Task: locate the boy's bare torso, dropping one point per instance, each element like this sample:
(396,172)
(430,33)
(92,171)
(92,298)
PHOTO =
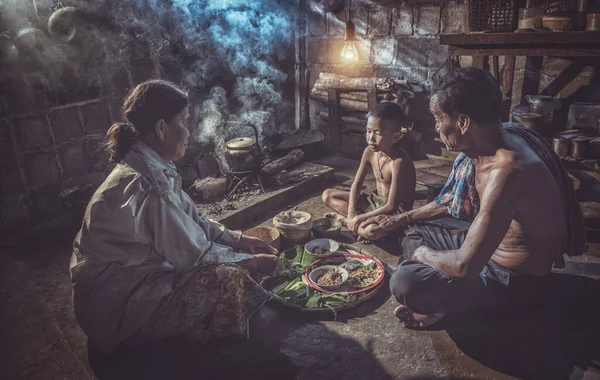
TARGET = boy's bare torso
(406,176)
(535,236)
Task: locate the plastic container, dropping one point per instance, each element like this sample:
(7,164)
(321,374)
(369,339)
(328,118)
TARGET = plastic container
(530,18)
(593,22)
(587,114)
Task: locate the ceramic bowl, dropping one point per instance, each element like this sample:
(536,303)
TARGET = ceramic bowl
(318,272)
(327,228)
(328,244)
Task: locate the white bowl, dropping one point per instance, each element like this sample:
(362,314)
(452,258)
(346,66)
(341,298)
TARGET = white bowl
(328,244)
(317,272)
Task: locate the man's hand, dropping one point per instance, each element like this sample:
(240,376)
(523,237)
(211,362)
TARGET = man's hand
(382,223)
(254,246)
(354,223)
(420,254)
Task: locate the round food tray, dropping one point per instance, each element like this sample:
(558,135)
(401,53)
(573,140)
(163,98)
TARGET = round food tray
(360,296)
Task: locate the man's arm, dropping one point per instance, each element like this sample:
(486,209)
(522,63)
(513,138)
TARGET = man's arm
(486,233)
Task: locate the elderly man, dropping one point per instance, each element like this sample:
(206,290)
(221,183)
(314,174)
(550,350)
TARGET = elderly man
(516,191)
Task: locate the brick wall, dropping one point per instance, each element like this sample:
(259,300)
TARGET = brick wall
(51,131)
(398,39)
(395,39)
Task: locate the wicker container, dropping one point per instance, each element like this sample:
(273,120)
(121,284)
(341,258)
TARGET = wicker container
(557,24)
(267,234)
(493,15)
(294,226)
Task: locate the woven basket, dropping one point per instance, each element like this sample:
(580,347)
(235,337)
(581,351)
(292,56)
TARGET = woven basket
(293,233)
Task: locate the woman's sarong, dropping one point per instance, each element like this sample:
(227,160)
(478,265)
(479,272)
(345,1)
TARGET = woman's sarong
(214,300)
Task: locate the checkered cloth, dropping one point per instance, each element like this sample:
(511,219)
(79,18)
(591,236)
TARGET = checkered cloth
(459,194)
(461,198)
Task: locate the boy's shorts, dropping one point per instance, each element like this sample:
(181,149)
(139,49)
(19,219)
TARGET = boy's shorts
(368,202)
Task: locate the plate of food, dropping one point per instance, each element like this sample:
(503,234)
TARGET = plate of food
(294,288)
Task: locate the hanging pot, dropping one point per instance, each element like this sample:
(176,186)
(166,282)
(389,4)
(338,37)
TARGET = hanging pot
(243,154)
(65,22)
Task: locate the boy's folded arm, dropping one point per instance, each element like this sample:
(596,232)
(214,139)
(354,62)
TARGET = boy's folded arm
(361,173)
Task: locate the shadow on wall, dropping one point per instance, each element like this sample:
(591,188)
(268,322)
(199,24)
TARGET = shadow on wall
(558,341)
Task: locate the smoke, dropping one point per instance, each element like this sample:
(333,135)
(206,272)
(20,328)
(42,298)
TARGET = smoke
(236,56)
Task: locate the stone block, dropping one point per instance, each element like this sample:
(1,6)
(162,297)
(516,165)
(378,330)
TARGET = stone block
(96,117)
(15,212)
(32,132)
(455,18)
(115,105)
(402,20)
(45,203)
(354,70)
(409,73)
(23,98)
(11,182)
(7,148)
(335,24)
(383,51)
(380,20)
(119,83)
(74,159)
(327,50)
(428,20)
(97,154)
(65,124)
(420,52)
(316,21)
(41,169)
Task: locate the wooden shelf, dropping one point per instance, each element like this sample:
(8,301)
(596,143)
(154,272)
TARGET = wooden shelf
(549,44)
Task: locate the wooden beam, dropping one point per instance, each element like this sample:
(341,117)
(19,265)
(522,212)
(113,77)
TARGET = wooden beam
(553,38)
(301,117)
(508,74)
(532,51)
(333,103)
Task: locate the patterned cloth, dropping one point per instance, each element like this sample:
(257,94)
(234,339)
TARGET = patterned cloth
(208,301)
(462,200)
(459,194)
(372,201)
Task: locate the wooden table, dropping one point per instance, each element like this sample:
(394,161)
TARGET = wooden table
(481,46)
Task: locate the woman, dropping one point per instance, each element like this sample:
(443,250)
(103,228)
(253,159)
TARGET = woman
(145,265)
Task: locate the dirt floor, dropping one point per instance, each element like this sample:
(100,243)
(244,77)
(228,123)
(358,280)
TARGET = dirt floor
(40,338)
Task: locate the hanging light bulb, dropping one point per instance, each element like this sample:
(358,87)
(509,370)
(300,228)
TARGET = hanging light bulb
(349,52)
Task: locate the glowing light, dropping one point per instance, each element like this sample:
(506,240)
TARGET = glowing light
(349,52)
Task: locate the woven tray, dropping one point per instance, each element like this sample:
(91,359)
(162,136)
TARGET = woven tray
(360,298)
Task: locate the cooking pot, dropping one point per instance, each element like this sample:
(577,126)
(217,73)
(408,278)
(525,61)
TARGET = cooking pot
(243,154)
(543,105)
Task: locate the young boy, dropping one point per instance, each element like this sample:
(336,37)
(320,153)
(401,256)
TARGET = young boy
(394,174)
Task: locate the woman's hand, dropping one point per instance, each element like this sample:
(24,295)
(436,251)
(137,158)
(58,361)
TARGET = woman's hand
(269,265)
(255,246)
(382,223)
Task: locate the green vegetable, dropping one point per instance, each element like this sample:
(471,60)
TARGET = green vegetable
(298,256)
(372,265)
(321,300)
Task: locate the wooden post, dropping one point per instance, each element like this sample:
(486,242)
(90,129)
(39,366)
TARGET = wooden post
(531,77)
(301,72)
(333,103)
(509,74)
(371,98)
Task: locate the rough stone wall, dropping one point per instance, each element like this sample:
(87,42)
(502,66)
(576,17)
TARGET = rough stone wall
(51,138)
(394,39)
